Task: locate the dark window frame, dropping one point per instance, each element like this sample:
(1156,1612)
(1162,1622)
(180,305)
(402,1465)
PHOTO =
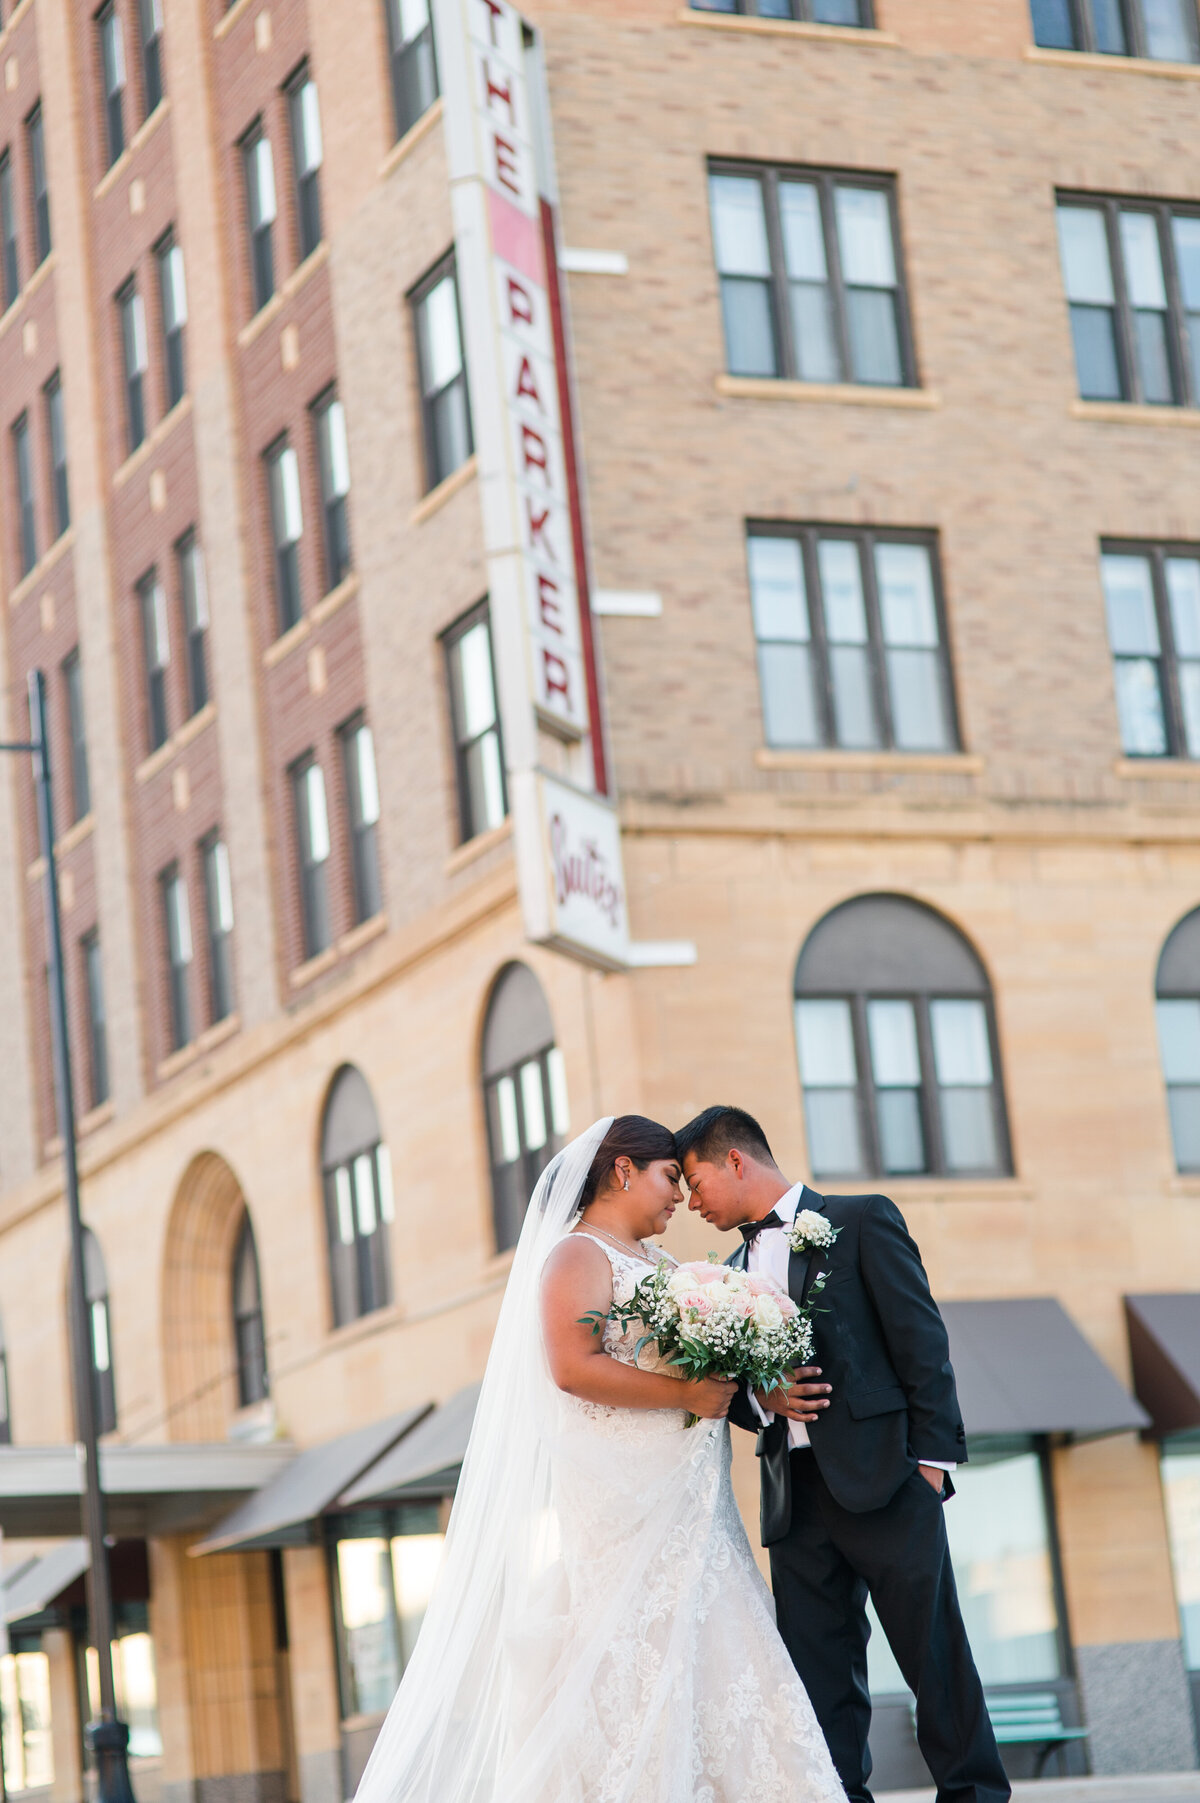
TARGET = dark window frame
(112,91)
(803,11)
(178,971)
(430,397)
(306,185)
(826,179)
(865,538)
(81,786)
(337,547)
(39,183)
(96,1291)
(1185,379)
(371,1271)
(56,447)
(97,1018)
(249,1332)
(152,607)
(21,435)
(173,328)
(285,554)
(316,912)
(260,238)
(194,616)
(1157,551)
(5,1395)
(131,308)
(10,239)
(217,934)
(150,37)
(1086,40)
(467,826)
(366,879)
(414,71)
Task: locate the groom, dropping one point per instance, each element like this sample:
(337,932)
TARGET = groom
(853,1470)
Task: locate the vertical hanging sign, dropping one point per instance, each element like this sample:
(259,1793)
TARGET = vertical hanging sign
(567,838)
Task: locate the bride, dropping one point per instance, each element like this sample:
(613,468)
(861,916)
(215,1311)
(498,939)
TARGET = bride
(599,1632)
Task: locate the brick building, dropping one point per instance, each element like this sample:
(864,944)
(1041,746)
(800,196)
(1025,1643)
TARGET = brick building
(769,426)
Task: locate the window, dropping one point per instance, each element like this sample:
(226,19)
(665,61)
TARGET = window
(817,12)
(172,291)
(95,1289)
(1132,278)
(97,1019)
(445,409)
(5,1409)
(81,788)
(809,276)
(1162,29)
(287,528)
(193,594)
(26,499)
(156,643)
(1152,600)
(414,66)
(1003,1553)
(137,362)
(362,795)
(56,441)
(248,1334)
(482,801)
(851,646)
(8,231)
(150,24)
(1177,992)
(218,922)
(357,1175)
(524,1095)
(333,457)
(178,925)
(1180,1469)
(259,167)
(312,850)
(27,1737)
(897,1046)
(307,156)
(135,1680)
(39,188)
(385,1565)
(112,71)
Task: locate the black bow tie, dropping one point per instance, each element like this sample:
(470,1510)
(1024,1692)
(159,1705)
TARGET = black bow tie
(750,1230)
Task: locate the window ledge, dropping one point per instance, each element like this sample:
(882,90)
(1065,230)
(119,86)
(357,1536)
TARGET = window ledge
(153,442)
(858,394)
(145,130)
(41,568)
(1169,769)
(1185,1183)
(295,635)
(403,147)
(195,1049)
(75,834)
(314,967)
(961,763)
(228,20)
(95,1118)
(955,1189)
(41,274)
(254,328)
(362,934)
(1125,65)
(191,729)
(449,486)
(377,1321)
(1135,413)
(337,597)
(478,847)
(788,28)
(15,17)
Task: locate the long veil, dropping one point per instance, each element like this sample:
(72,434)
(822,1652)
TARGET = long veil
(453,1732)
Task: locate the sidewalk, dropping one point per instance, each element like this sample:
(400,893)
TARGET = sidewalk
(1138,1787)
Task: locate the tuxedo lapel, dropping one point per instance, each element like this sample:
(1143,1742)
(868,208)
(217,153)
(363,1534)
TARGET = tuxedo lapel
(737,1259)
(814,1262)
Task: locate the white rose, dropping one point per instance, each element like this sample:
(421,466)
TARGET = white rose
(767,1313)
(736,1281)
(813,1226)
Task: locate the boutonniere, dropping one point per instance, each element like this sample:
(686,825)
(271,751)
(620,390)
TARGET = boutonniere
(811,1232)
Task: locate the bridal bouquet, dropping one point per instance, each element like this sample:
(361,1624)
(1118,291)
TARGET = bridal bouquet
(709,1320)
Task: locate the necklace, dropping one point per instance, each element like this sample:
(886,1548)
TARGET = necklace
(638,1251)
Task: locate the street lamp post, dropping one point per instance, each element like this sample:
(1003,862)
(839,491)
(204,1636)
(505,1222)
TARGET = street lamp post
(107,1736)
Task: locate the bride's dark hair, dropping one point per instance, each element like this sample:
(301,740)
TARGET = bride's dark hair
(631,1136)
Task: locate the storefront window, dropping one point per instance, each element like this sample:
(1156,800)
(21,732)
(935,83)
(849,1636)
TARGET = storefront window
(385,1565)
(25,1715)
(1181,1494)
(134,1678)
(1000,1542)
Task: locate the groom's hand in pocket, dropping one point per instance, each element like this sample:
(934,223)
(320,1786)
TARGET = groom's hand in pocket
(804,1399)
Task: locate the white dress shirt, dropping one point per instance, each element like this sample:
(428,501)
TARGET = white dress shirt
(769,1254)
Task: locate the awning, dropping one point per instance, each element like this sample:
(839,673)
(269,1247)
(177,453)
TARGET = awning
(285,1511)
(1164,1342)
(33,1586)
(425,1464)
(1023,1367)
(149,1489)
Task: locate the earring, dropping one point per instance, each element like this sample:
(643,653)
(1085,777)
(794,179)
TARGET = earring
(626,1183)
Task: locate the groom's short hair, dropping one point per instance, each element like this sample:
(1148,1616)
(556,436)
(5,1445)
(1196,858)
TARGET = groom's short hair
(717,1132)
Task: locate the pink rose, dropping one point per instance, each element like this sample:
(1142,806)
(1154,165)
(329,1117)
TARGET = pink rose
(787,1307)
(759,1284)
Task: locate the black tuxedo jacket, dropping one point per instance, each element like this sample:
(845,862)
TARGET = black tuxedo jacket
(881,1344)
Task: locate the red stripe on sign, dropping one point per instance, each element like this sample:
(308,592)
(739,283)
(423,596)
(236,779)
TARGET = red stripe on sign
(516,237)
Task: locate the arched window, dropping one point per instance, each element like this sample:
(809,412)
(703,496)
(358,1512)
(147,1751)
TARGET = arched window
(1177,990)
(525,1093)
(897,1046)
(248,1333)
(358,1198)
(95,1289)
(5,1411)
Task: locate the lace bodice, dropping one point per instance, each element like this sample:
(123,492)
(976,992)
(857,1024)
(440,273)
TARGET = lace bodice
(627,1273)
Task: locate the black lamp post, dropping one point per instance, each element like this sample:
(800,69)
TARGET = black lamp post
(108,1736)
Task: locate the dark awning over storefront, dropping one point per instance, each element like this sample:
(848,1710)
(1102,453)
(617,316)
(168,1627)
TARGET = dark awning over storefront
(284,1512)
(426,1463)
(1164,1342)
(1023,1367)
(150,1489)
(32,1587)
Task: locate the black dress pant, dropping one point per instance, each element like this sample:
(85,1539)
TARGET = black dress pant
(821,1574)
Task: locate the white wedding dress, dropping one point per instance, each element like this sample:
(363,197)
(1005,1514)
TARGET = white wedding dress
(600,1632)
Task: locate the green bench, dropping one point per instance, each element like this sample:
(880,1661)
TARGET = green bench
(1028,1718)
